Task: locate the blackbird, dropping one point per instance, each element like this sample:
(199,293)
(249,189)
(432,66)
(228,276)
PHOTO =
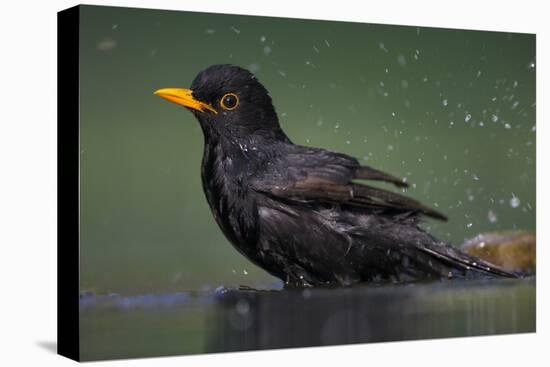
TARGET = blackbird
(298,212)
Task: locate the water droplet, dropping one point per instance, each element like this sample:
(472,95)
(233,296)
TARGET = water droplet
(469,225)
(492,217)
(267,50)
(467,118)
(327,43)
(531,65)
(210,31)
(445,102)
(401,60)
(514,105)
(253,67)
(382,47)
(106,44)
(515,202)
(262,39)
(245,272)
(494,118)
(237,31)
(507,126)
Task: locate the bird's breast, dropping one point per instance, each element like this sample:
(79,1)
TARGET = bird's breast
(225,185)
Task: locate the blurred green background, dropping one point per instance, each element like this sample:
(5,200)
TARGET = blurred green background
(451,110)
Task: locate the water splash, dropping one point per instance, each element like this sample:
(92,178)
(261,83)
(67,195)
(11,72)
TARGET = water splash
(492,216)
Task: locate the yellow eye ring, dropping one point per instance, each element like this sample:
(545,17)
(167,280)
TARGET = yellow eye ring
(229,101)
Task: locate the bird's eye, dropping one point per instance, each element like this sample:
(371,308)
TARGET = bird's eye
(229,101)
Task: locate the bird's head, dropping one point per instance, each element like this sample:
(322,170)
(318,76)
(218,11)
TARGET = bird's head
(229,102)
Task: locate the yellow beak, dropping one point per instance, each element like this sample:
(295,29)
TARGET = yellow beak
(184,97)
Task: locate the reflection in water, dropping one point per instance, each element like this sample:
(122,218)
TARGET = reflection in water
(259,320)
(114,326)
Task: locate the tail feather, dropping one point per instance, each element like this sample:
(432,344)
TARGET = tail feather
(414,254)
(459,260)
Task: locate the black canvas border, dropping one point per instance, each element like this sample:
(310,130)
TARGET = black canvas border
(68,216)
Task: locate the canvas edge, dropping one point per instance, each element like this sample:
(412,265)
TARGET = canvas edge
(68,216)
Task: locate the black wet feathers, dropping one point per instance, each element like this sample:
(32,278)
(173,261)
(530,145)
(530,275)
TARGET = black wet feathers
(307,215)
(320,175)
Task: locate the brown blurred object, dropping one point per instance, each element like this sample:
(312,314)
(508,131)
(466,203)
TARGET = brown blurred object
(513,250)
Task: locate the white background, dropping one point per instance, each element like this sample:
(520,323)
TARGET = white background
(28,182)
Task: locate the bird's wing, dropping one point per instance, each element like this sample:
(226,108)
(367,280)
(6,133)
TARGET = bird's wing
(369,173)
(321,176)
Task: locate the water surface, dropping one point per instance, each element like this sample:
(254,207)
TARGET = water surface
(115,326)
